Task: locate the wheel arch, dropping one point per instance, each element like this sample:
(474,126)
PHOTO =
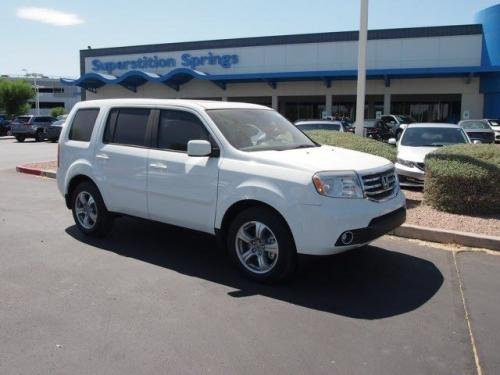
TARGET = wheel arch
(241,206)
(73,183)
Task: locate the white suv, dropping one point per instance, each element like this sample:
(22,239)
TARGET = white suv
(239,171)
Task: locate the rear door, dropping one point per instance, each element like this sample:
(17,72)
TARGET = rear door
(121,158)
(182,190)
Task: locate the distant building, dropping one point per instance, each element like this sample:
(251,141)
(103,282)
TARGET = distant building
(439,74)
(52,93)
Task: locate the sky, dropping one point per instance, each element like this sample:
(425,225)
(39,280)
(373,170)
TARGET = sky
(45,36)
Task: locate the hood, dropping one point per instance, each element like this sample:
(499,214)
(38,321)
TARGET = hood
(324,158)
(478,130)
(414,154)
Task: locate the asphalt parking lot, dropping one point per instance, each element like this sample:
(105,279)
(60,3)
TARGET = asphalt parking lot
(154,299)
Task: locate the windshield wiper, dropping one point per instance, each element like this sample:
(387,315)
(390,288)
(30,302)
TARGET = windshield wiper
(301,146)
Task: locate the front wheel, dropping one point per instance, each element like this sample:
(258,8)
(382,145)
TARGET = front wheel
(262,246)
(20,138)
(39,136)
(89,211)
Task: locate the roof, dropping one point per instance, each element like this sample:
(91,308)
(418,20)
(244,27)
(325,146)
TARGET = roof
(187,103)
(432,125)
(341,36)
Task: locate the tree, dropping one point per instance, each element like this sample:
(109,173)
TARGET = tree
(14,96)
(57,111)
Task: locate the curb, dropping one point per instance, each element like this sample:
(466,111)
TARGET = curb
(448,236)
(7,137)
(36,171)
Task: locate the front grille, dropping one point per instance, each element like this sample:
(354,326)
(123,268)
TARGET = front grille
(420,166)
(379,186)
(481,136)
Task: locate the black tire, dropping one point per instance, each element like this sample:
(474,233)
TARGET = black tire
(20,138)
(104,221)
(39,136)
(286,262)
(53,140)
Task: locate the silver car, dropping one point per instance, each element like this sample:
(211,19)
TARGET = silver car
(478,130)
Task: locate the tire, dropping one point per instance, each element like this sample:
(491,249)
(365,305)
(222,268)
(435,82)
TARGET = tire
(261,265)
(20,138)
(99,220)
(38,136)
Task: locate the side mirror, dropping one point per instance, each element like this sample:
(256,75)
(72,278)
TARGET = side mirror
(199,148)
(477,142)
(392,141)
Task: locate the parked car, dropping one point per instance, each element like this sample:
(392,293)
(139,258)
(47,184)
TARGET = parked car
(416,142)
(197,164)
(397,123)
(478,130)
(31,127)
(332,125)
(54,130)
(4,125)
(378,130)
(495,125)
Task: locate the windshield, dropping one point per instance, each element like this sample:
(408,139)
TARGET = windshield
(22,119)
(432,137)
(474,125)
(258,130)
(406,119)
(318,126)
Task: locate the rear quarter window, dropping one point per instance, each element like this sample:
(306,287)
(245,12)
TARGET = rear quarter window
(83,124)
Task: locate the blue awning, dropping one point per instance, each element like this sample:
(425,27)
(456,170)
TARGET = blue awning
(180,76)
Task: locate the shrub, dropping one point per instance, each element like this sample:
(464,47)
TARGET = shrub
(464,179)
(354,142)
(57,111)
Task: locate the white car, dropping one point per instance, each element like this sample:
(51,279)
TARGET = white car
(310,125)
(495,125)
(239,171)
(416,142)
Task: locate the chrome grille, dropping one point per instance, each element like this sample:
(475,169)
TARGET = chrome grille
(379,186)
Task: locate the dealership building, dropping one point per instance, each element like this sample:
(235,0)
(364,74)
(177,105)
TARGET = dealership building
(443,73)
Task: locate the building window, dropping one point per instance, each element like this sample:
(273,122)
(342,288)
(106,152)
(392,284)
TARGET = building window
(428,108)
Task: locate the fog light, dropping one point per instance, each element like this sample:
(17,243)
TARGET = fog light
(346,238)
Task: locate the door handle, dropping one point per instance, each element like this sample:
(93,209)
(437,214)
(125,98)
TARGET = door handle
(158,165)
(102,156)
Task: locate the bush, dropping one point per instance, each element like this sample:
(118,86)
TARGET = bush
(14,96)
(354,142)
(57,111)
(464,179)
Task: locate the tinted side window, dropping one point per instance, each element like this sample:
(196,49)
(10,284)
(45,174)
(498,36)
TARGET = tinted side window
(177,128)
(131,126)
(83,124)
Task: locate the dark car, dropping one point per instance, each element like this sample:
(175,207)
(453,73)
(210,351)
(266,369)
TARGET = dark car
(397,123)
(377,129)
(31,127)
(54,130)
(310,125)
(4,125)
(478,130)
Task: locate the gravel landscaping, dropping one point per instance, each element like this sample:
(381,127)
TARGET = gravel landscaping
(421,214)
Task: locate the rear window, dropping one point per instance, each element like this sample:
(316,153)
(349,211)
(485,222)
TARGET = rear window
(83,124)
(127,126)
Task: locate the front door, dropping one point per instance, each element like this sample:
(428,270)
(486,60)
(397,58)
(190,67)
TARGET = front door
(182,190)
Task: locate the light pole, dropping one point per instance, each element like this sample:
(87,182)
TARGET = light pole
(363,37)
(37,99)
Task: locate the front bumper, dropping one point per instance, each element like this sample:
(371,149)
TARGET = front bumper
(317,229)
(411,177)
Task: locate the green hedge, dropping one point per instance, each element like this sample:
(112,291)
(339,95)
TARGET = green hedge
(354,142)
(464,179)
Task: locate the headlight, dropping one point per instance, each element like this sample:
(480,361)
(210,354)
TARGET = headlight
(343,184)
(406,163)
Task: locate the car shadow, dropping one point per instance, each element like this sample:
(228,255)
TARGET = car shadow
(368,283)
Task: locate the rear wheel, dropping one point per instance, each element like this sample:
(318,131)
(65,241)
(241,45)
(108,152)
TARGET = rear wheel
(89,211)
(39,136)
(261,245)
(20,138)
